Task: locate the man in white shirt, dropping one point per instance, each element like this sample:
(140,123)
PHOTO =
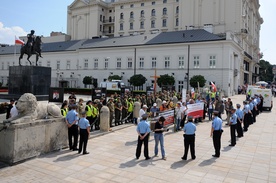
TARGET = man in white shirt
(14,111)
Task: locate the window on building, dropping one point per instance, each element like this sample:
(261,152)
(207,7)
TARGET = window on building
(110,11)
(131,14)
(121,26)
(181,62)
(48,63)
(177,1)
(177,9)
(176,22)
(141,62)
(153,12)
(212,61)
(106,63)
(8,65)
(142,13)
(2,65)
(153,24)
(164,1)
(142,24)
(131,25)
(96,63)
(119,63)
(101,27)
(180,86)
(68,64)
(58,65)
(132,5)
(164,23)
(85,64)
(142,4)
(129,63)
(153,3)
(153,62)
(196,61)
(101,18)
(122,6)
(121,16)
(164,11)
(167,62)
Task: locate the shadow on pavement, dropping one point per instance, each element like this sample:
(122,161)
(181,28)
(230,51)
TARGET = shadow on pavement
(131,143)
(226,148)
(67,157)
(180,164)
(207,162)
(130,163)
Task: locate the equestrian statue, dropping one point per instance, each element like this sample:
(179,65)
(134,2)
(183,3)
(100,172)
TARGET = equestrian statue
(33,46)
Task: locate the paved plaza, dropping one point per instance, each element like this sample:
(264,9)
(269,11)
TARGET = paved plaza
(112,158)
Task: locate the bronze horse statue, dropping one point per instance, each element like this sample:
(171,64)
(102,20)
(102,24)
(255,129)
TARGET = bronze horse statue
(36,49)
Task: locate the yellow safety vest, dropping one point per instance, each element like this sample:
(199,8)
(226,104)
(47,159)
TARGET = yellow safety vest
(89,112)
(130,106)
(213,94)
(95,112)
(63,112)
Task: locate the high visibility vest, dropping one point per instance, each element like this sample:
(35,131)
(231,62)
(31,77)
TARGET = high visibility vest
(213,94)
(94,111)
(130,106)
(89,112)
(63,112)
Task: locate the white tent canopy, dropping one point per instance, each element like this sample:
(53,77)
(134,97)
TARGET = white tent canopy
(261,83)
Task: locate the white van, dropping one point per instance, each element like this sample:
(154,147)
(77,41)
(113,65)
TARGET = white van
(267,95)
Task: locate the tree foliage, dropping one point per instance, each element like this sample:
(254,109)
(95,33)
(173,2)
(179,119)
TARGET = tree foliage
(114,77)
(197,78)
(137,80)
(165,80)
(265,71)
(87,80)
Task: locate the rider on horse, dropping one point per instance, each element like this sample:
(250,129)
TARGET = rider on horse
(30,42)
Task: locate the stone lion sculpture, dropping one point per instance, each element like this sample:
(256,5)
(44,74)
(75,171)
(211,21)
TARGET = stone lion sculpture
(28,107)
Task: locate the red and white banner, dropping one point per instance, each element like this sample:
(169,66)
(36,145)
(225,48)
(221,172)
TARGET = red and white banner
(18,41)
(168,115)
(214,87)
(195,110)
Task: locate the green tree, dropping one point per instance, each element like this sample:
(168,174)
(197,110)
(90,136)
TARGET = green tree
(114,77)
(87,80)
(197,79)
(265,72)
(165,80)
(137,80)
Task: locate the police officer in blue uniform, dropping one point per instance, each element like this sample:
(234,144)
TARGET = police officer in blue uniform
(246,116)
(143,130)
(239,114)
(189,138)
(84,127)
(72,124)
(233,126)
(216,132)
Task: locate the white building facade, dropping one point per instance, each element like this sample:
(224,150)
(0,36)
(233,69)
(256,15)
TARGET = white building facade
(90,18)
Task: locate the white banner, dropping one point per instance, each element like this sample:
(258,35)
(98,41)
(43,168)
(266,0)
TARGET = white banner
(183,95)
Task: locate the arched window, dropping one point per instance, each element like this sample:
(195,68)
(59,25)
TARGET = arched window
(142,13)
(121,16)
(164,11)
(177,9)
(131,14)
(153,12)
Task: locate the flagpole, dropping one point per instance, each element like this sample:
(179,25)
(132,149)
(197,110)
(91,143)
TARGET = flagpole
(14,48)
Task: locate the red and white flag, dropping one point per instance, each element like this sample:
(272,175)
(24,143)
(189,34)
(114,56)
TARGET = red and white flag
(214,87)
(18,41)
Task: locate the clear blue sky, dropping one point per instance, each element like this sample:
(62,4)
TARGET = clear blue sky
(17,17)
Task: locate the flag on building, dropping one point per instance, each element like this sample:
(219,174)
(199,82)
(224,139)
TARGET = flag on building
(214,87)
(18,41)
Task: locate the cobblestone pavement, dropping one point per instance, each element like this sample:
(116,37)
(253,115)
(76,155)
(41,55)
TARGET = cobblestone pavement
(112,158)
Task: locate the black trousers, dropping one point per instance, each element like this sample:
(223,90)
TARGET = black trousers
(83,140)
(233,134)
(73,133)
(239,129)
(145,141)
(189,141)
(254,114)
(217,142)
(246,121)
(182,122)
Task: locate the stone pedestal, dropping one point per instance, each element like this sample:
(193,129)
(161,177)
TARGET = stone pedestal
(22,141)
(104,124)
(29,79)
(136,109)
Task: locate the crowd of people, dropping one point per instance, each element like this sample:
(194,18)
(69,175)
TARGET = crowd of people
(121,111)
